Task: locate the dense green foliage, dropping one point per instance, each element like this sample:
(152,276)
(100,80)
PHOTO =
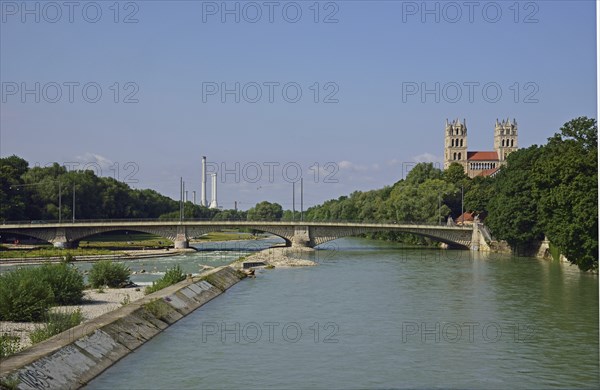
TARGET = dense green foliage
(513,210)
(172,276)
(108,273)
(26,294)
(427,195)
(265,211)
(552,190)
(8,345)
(33,194)
(56,323)
(549,190)
(66,282)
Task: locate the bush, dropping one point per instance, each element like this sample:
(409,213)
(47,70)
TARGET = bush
(9,345)
(107,273)
(172,276)
(159,308)
(66,283)
(56,323)
(24,295)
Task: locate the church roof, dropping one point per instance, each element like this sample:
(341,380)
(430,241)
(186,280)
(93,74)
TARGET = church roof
(482,156)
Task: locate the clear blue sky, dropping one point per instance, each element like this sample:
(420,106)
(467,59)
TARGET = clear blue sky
(371,57)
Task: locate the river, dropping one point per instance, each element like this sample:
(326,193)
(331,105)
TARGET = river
(374,315)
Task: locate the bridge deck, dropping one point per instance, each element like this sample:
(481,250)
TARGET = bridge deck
(157,223)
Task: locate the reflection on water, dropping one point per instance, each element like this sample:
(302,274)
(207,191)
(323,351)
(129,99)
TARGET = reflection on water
(389,317)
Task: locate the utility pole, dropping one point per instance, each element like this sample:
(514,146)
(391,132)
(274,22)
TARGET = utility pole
(462,204)
(180,198)
(301,199)
(184,195)
(73,203)
(439,209)
(293,200)
(59,202)
(194,196)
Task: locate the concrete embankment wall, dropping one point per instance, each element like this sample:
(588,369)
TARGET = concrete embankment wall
(71,359)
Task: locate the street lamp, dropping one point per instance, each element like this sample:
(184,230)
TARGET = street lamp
(462,204)
(301,199)
(439,209)
(59,202)
(73,203)
(293,201)
(181,198)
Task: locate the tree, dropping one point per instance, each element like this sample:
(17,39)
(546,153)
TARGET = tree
(230,215)
(422,172)
(13,197)
(265,211)
(33,193)
(410,202)
(479,193)
(513,208)
(455,174)
(566,181)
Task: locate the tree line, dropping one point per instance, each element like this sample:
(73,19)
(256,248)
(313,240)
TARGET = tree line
(549,190)
(543,191)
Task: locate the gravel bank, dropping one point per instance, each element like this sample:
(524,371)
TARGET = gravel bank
(281,257)
(95,304)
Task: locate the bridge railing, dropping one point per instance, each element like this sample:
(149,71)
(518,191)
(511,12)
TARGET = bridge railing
(225,221)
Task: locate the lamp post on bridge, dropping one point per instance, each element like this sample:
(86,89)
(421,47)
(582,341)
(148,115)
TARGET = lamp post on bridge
(301,199)
(59,202)
(439,209)
(181,198)
(462,204)
(293,201)
(73,203)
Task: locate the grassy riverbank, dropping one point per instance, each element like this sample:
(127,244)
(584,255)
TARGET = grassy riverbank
(48,251)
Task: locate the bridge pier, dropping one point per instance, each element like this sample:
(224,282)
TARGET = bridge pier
(60,240)
(302,237)
(66,244)
(181,239)
(181,244)
(478,242)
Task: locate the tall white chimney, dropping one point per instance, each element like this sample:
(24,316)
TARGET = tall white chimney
(203,192)
(213,201)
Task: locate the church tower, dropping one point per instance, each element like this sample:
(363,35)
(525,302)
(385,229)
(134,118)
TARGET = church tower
(505,138)
(455,147)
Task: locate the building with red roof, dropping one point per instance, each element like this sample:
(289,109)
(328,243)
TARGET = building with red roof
(467,218)
(479,163)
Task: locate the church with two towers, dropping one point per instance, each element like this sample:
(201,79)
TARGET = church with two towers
(479,163)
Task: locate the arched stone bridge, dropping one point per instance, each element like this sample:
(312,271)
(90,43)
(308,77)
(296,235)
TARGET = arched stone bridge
(295,233)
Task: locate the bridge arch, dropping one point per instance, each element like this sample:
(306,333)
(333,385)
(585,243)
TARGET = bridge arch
(321,235)
(293,233)
(43,235)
